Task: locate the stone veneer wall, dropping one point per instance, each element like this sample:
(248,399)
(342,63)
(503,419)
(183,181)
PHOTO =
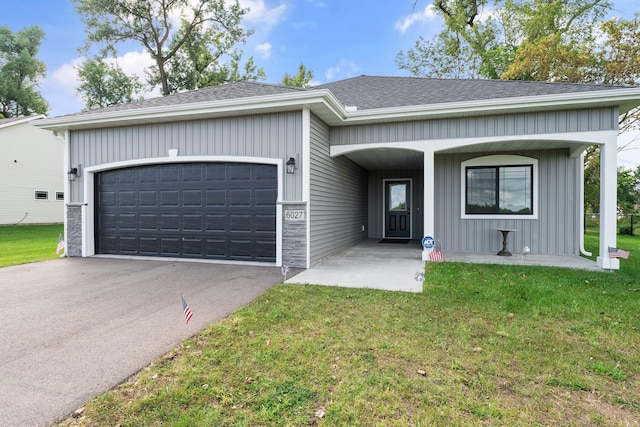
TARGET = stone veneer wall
(74,229)
(294,236)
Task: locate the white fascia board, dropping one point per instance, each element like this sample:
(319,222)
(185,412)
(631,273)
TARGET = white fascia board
(187,111)
(566,101)
(23,120)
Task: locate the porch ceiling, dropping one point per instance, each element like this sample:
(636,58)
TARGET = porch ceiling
(397,158)
(387,159)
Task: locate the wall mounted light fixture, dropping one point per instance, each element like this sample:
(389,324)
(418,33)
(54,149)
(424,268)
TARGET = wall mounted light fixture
(74,172)
(291,165)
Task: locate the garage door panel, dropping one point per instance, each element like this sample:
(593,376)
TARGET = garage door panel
(169,198)
(216,198)
(205,210)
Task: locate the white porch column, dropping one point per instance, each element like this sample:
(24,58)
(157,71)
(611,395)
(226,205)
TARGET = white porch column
(608,202)
(429,200)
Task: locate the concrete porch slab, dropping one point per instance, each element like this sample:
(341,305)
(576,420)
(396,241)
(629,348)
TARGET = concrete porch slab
(393,266)
(369,264)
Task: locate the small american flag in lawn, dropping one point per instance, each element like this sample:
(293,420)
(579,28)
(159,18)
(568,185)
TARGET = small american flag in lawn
(436,253)
(60,246)
(618,253)
(188,314)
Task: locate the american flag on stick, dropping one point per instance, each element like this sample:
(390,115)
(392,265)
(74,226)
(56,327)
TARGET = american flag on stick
(436,253)
(188,314)
(618,253)
(60,246)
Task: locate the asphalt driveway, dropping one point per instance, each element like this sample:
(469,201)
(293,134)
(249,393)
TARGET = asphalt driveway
(76,327)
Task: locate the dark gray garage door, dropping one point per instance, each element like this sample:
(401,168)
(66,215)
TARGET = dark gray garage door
(193,210)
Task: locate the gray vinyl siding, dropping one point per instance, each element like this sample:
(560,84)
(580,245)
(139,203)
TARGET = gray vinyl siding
(268,135)
(556,230)
(587,120)
(376,200)
(338,199)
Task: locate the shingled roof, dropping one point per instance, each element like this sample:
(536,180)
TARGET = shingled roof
(238,90)
(371,92)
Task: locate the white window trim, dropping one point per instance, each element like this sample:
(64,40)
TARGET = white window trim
(499,160)
(40,198)
(61,193)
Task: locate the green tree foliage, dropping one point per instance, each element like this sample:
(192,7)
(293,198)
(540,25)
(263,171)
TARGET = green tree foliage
(191,41)
(20,72)
(103,84)
(302,79)
(628,190)
(487,36)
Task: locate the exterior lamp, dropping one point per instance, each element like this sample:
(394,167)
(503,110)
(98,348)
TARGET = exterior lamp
(291,165)
(73,173)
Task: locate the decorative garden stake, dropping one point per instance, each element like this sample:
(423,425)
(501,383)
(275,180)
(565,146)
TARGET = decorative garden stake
(525,251)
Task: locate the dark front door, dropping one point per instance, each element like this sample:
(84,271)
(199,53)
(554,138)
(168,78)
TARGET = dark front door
(397,195)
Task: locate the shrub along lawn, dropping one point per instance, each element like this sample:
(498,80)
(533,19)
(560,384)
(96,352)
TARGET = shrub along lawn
(483,345)
(20,244)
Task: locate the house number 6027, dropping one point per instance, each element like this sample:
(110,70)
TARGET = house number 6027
(294,215)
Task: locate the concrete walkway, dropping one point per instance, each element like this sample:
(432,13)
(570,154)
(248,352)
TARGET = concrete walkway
(369,264)
(74,328)
(393,266)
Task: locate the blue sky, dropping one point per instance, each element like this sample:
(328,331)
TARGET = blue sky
(336,39)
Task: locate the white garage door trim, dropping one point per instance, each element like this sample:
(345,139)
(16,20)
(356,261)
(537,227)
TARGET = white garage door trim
(88,208)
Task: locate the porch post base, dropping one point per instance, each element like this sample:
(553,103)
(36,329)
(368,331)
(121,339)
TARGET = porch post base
(606,263)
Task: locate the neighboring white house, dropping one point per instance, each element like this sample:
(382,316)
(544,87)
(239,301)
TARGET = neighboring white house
(31,176)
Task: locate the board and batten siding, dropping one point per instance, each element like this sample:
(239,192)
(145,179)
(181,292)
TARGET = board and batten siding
(556,230)
(267,135)
(586,120)
(338,197)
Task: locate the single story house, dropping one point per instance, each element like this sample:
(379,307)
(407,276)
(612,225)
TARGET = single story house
(265,173)
(31,176)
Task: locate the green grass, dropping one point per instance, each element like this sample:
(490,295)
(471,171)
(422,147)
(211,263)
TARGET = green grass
(483,345)
(21,244)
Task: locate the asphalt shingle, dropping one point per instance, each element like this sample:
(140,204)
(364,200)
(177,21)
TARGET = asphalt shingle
(370,92)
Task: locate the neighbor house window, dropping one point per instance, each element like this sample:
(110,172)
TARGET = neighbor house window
(496,186)
(59,195)
(41,195)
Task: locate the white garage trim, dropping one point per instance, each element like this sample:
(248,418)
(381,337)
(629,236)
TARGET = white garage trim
(88,211)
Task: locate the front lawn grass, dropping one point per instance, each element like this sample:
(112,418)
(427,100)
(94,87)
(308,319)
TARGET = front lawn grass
(21,244)
(483,345)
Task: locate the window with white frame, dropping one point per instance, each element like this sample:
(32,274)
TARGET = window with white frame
(500,186)
(59,195)
(41,195)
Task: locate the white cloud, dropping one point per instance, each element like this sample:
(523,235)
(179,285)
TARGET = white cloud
(66,76)
(264,50)
(134,63)
(344,69)
(260,13)
(426,15)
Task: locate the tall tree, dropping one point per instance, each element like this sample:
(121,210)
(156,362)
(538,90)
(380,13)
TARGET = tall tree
(178,34)
(103,84)
(302,79)
(485,35)
(20,72)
